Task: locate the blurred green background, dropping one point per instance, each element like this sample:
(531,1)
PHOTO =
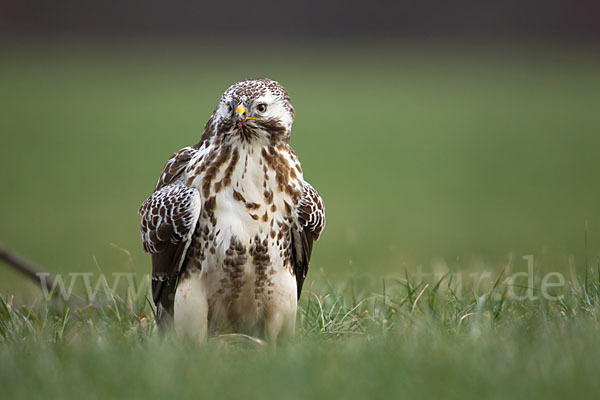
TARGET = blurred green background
(442,136)
(424,153)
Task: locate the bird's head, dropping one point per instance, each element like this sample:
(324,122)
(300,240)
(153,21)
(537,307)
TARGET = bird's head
(253,109)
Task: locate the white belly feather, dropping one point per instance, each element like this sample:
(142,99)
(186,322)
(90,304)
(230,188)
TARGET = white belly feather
(244,274)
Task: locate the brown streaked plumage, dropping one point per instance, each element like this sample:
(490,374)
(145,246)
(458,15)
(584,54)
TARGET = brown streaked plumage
(232,222)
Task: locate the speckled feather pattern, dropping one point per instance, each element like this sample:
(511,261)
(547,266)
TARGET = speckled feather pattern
(169,216)
(232,221)
(311,211)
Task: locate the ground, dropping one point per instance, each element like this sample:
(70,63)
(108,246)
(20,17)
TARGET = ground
(434,162)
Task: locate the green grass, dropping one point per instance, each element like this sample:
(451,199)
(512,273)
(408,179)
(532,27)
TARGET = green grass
(416,338)
(447,160)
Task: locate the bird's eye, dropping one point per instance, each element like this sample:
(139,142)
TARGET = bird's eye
(261,108)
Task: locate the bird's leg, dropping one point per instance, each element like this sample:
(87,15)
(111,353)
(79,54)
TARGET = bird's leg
(191,307)
(281,325)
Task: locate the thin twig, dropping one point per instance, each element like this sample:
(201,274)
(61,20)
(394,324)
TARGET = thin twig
(26,267)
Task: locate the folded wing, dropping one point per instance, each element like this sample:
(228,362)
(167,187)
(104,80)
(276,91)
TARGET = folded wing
(310,221)
(169,217)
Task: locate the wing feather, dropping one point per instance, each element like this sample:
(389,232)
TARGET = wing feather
(176,165)
(169,218)
(310,221)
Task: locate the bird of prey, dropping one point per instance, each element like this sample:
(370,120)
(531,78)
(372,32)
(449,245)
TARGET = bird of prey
(231,223)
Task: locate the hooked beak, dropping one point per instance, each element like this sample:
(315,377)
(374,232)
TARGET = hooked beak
(240,113)
(240,116)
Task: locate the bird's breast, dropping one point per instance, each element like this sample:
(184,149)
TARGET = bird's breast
(242,244)
(247,189)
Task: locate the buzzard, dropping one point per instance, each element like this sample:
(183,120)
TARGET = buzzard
(231,223)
